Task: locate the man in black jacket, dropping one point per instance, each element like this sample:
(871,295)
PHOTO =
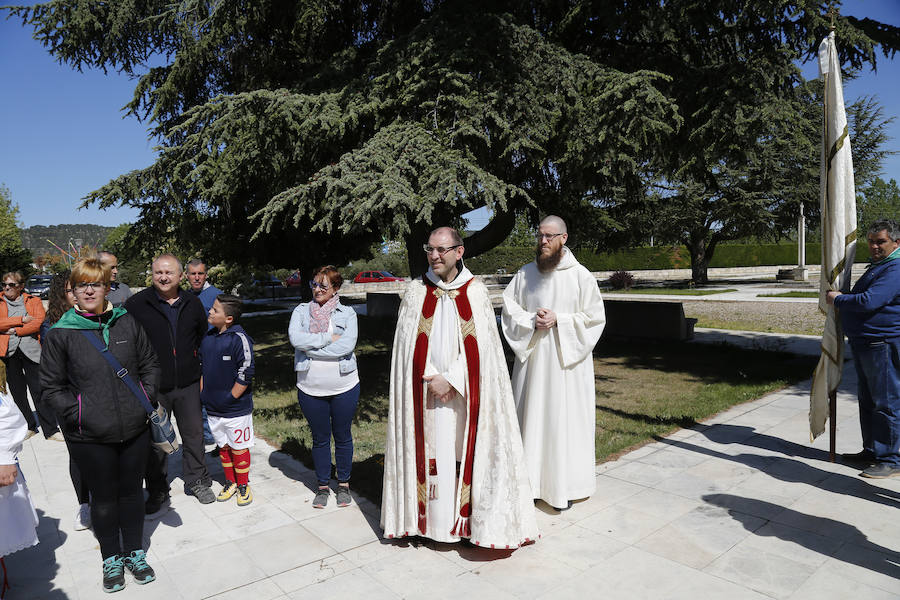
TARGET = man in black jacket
(175,322)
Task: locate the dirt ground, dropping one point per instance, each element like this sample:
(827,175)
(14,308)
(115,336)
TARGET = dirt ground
(781,317)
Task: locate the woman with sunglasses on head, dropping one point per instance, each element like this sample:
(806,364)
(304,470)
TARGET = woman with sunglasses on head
(323,333)
(105,426)
(21,316)
(60,298)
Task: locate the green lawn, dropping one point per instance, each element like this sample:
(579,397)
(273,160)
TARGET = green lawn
(795,294)
(643,390)
(662,291)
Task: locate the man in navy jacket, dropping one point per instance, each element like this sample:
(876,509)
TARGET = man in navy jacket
(870,316)
(175,322)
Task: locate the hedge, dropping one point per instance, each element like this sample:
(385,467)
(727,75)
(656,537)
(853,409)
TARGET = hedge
(658,257)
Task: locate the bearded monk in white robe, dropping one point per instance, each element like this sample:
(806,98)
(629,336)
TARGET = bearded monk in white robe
(552,318)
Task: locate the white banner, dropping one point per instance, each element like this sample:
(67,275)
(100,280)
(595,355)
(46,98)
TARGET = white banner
(837,196)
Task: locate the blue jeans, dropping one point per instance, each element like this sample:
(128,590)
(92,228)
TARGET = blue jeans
(877,364)
(207,433)
(331,416)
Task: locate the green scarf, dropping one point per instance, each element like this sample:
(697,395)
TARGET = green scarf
(72,319)
(892,256)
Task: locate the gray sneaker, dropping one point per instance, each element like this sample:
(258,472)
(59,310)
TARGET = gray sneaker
(202,492)
(321,499)
(881,471)
(343,495)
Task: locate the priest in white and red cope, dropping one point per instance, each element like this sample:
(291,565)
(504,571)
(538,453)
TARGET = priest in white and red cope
(552,318)
(453,466)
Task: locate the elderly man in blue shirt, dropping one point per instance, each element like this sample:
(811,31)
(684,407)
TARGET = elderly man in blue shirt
(870,315)
(199,286)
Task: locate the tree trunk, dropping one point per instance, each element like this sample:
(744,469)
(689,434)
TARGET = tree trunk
(699,266)
(702,246)
(492,235)
(696,244)
(417,236)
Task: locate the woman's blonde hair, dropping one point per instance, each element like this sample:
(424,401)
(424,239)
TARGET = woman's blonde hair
(90,269)
(15,276)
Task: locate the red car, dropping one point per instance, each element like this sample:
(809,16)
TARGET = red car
(294,279)
(375,277)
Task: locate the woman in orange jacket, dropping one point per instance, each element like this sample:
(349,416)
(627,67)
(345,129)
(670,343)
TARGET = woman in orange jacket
(21,316)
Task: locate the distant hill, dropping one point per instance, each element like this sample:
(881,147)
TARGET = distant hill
(35,238)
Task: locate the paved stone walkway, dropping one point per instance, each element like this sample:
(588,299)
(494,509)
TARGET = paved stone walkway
(742,506)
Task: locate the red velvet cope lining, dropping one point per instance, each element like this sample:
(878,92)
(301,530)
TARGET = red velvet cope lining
(473,366)
(420,353)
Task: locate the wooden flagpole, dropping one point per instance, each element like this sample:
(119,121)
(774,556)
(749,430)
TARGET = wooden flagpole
(832,424)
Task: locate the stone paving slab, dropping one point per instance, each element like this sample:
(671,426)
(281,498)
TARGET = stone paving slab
(741,506)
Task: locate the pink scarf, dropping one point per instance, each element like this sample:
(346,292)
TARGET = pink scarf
(319,316)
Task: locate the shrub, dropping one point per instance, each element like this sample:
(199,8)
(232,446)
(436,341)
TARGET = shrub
(621,280)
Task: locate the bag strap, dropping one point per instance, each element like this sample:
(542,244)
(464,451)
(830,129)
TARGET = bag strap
(121,372)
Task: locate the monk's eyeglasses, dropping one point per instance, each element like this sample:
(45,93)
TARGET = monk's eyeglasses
(440,249)
(548,236)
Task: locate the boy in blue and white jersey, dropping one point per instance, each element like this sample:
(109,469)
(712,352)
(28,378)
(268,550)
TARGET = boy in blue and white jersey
(226,354)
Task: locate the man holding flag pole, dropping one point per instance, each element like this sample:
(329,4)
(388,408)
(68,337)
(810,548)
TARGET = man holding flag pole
(870,316)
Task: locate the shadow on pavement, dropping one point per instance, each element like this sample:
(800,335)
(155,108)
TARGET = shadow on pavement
(787,469)
(741,509)
(31,571)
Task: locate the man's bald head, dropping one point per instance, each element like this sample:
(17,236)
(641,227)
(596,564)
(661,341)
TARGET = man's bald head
(554,221)
(167,257)
(551,237)
(448,231)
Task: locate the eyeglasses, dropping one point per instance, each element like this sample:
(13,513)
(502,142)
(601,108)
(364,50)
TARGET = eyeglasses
(93,285)
(69,291)
(322,286)
(548,236)
(440,249)
(10,285)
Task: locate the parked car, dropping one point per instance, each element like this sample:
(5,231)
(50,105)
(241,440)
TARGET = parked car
(375,277)
(266,282)
(38,285)
(295,279)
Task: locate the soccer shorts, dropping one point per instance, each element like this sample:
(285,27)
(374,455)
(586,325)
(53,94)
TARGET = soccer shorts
(236,432)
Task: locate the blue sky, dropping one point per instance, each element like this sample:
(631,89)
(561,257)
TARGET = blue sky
(64,135)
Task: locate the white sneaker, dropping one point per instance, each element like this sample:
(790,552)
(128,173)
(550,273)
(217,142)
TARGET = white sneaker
(83,517)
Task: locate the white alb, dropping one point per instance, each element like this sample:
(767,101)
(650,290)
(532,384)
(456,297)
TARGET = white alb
(553,375)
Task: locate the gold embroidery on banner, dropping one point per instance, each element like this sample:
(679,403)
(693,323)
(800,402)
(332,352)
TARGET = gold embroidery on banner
(838,144)
(836,271)
(851,237)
